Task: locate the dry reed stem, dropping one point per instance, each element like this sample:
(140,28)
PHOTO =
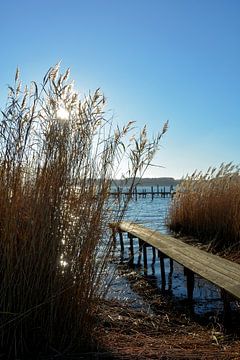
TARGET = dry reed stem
(58,156)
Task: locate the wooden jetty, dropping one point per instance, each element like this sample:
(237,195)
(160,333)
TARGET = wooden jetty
(219,271)
(135,192)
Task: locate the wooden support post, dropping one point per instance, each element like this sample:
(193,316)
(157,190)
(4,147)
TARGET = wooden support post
(170,274)
(153,271)
(121,242)
(152,192)
(114,239)
(140,246)
(227,313)
(161,254)
(158,190)
(136,193)
(145,255)
(162,267)
(154,254)
(131,260)
(190,283)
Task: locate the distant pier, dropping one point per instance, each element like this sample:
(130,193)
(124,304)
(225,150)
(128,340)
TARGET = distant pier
(141,192)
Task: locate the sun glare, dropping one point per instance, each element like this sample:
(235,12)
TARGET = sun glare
(62,113)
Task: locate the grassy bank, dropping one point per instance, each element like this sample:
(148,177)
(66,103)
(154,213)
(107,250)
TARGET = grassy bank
(58,155)
(207,207)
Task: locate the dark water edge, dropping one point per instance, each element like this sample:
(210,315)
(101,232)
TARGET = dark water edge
(207,301)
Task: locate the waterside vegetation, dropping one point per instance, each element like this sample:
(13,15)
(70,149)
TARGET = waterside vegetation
(207,207)
(58,156)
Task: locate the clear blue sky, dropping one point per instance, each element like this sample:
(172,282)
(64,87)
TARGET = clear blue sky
(153,59)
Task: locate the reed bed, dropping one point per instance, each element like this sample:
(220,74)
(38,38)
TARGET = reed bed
(207,207)
(58,156)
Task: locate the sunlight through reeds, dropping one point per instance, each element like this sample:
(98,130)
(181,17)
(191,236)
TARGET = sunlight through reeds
(58,156)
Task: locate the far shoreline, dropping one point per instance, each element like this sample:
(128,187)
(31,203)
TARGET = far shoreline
(161,181)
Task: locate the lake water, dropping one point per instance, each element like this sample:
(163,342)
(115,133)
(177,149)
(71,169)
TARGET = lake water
(152,214)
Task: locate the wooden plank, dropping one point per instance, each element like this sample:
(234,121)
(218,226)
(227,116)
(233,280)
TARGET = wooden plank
(219,271)
(173,244)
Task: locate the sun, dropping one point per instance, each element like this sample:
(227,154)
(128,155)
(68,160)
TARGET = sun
(62,113)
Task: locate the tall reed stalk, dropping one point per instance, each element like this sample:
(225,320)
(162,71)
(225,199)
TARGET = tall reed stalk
(207,206)
(58,156)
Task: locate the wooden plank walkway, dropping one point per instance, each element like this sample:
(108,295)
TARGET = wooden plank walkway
(221,272)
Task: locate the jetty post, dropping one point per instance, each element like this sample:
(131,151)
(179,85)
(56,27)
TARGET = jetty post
(227,313)
(190,282)
(162,268)
(140,249)
(131,260)
(145,255)
(153,254)
(136,193)
(170,274)
(121,242)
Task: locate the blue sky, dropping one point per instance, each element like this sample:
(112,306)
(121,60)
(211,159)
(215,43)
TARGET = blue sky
(153,59)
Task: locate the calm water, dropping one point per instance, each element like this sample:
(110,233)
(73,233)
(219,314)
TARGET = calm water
(152,214)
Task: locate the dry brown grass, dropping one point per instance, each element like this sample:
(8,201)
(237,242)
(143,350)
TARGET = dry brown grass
(135,335)
(58,155)
(207,206)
